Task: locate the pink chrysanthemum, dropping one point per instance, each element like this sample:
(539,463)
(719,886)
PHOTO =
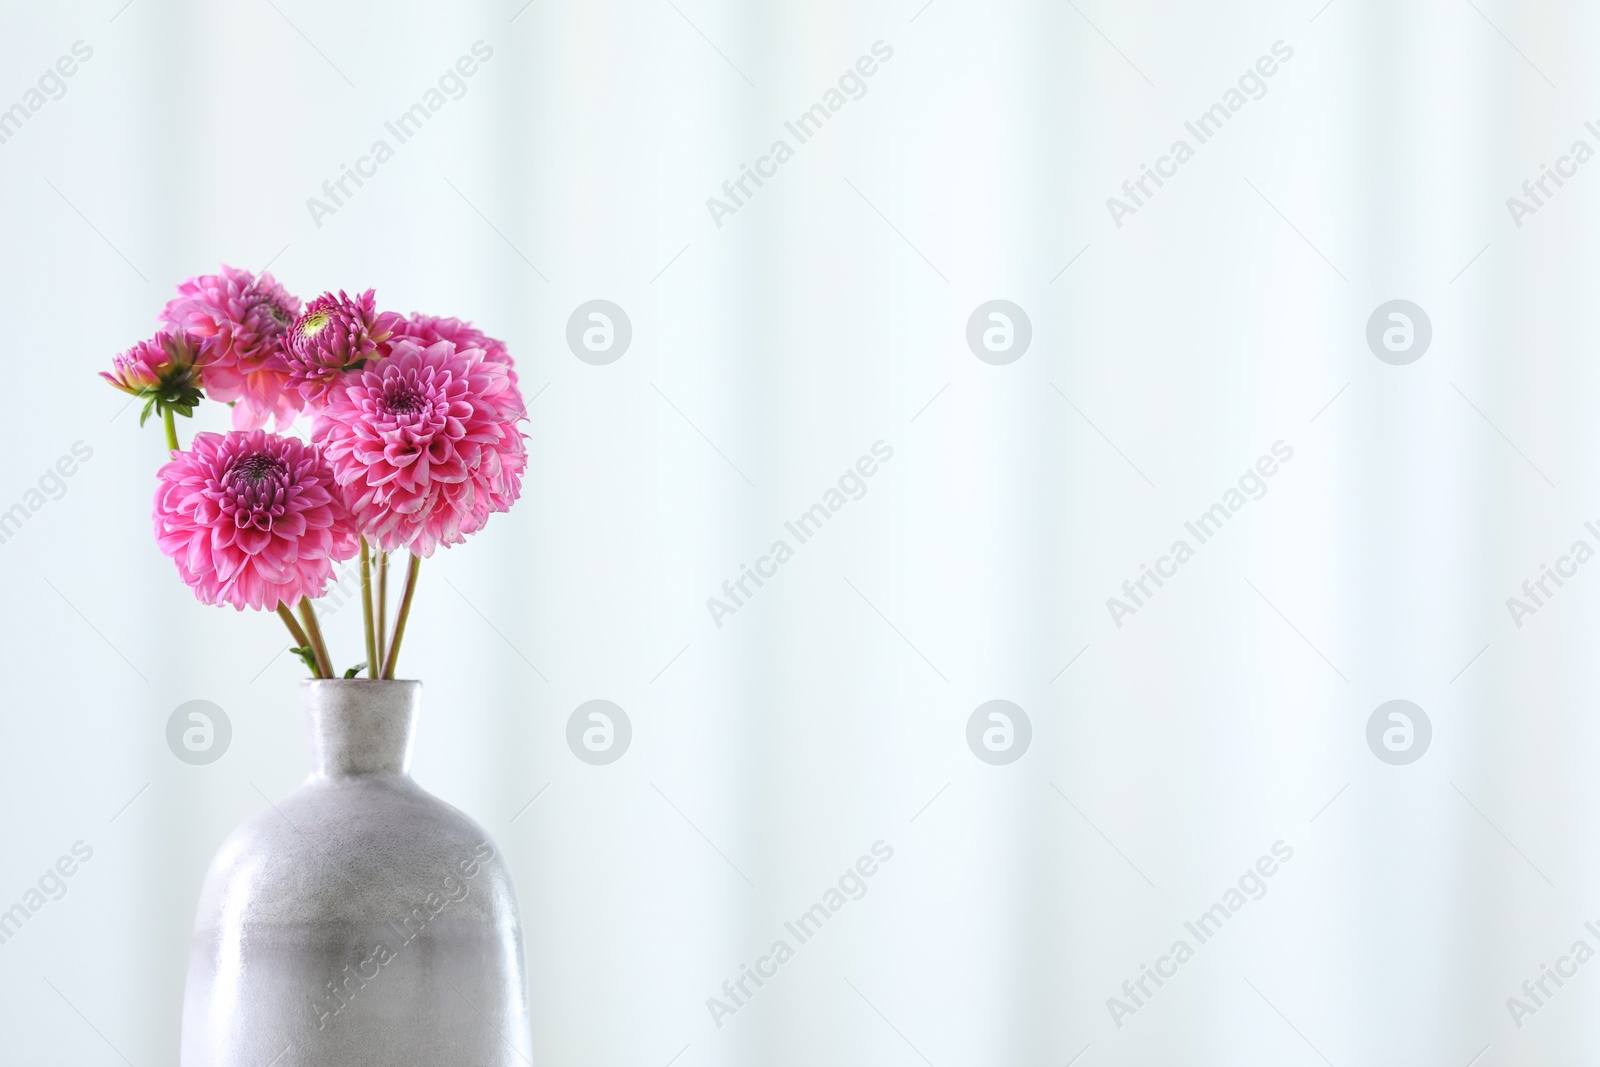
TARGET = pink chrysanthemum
(242,320)
(332,335)
(426,330)
(252,519)
(424,444)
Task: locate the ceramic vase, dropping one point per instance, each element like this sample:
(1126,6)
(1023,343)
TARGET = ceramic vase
(360,920)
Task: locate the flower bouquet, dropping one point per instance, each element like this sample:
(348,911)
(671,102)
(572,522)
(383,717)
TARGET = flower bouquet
(360,920)
(413,445)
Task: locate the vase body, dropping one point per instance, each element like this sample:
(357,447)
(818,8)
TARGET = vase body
(359,921)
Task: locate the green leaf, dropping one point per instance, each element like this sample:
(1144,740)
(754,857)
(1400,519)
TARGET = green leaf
(310,658)
(357,669)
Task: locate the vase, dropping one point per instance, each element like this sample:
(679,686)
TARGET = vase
(360,920)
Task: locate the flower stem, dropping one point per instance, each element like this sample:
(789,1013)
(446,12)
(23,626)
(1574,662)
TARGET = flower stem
(308,615)
(172,429)
(299,635)
(400,620)
(382,626)
(366,609)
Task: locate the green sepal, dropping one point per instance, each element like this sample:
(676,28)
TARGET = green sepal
(178,397)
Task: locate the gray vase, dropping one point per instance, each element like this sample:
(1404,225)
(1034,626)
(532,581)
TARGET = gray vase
(360,920)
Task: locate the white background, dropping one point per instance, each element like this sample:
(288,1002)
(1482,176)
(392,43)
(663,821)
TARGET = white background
(768,354)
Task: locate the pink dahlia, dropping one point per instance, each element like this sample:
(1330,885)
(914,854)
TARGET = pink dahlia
(164,371)
(332,335)
(428,329)
(424,444)
(252,519)
(242,320)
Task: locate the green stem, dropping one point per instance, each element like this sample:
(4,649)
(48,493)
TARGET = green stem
(308,615)
(400,619)
(299,635)
(172,428)
(382,626)
(366,609)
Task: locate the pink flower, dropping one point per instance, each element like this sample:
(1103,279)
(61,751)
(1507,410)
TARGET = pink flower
(252,519)
(164,371)
(138,370)
(147,366)
(242,320)
(428,329)
(424,444)
(332,335)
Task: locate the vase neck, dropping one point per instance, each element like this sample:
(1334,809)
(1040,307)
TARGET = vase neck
(360,726)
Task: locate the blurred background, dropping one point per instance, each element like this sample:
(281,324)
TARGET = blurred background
(1160,347)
